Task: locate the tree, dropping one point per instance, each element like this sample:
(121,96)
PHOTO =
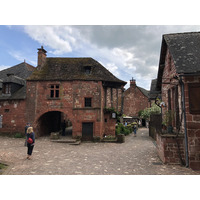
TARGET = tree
(145,114)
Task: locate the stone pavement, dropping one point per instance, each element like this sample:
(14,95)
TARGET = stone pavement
(137,156)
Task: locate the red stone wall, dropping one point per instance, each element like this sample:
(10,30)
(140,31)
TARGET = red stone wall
(168,150)
(134,101)
(192,120)
(13,114)
(193,128)
(72,103)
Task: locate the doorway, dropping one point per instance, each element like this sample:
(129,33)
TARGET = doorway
(87,131)
(52,122)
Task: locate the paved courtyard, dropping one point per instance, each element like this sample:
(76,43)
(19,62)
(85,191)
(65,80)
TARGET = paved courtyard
(137,156)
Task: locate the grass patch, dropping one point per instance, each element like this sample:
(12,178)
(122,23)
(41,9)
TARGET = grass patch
(2,167)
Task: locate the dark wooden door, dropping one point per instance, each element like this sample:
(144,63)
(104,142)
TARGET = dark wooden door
(87,131)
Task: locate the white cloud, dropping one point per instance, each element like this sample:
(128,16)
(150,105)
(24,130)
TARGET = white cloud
(20,57)
(127,51)
(60,38)
(112,68)
(2,67)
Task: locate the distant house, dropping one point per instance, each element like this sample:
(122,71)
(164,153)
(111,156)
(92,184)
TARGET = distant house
(179,82)
(12,97)
(135,99)
(77,90)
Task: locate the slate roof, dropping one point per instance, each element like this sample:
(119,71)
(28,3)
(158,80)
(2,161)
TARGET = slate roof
(17,74)
(68,69)
(14,79)
(153,90)
(22,70)
(185,51)
(144,91)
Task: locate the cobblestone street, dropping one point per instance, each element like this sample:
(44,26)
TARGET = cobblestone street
(137,156)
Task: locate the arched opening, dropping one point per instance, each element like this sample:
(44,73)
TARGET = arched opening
(53,122)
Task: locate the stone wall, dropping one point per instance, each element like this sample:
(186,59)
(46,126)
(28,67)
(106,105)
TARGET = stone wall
(170,148)
(13,116)
(71,103)
(193,127)
(192,120)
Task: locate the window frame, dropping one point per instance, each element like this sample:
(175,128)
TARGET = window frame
(190,99)
(86,102)
(7,88)
(54,91)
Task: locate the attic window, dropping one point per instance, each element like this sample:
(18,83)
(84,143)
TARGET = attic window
(7,88)
(88,69)
(54,91)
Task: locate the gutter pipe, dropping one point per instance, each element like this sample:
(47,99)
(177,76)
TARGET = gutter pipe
(184,116)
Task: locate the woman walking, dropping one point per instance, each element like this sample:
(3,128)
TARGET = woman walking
(30,141)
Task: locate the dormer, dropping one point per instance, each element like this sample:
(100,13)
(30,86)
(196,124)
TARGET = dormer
(12,84)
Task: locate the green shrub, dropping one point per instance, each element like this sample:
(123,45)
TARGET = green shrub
(121,129)
(18,135)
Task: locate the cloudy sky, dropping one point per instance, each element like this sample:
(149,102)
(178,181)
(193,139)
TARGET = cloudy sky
(126,51)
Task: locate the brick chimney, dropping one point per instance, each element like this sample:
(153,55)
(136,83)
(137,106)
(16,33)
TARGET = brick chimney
(132,83)
(41,57)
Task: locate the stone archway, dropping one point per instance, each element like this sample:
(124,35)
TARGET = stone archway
(51,122)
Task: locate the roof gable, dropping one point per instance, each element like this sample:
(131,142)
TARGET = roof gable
(185,50)
(22,70)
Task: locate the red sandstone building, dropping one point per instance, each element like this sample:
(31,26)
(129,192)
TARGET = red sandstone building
(135,100)
(76,90)
(179,82)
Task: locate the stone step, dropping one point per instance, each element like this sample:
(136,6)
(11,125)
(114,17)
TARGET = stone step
(64,141)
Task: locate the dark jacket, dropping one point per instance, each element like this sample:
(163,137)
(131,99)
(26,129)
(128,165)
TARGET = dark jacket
(32,136)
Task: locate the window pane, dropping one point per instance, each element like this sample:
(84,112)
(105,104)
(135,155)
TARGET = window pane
(52,93)
(88,102)
(57,93)
(194,96)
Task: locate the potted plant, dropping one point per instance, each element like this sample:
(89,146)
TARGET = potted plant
(167,121)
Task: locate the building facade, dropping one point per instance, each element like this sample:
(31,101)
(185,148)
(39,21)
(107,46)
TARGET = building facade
(74,90)
(179,82)
(135,100)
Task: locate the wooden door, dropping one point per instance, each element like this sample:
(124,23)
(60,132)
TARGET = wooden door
(87,131)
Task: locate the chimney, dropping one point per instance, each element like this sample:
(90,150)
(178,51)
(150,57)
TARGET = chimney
(41,57)
(132,83)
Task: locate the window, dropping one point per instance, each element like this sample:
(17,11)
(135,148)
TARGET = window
(88,102)
(7,88)
(88,70)
(54,91)
(169,100)
(194,96)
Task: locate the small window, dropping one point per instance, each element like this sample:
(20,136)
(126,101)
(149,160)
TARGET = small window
(6,110)
(54,91)
(194,96)
(88,102)
(7,88)
(88,70)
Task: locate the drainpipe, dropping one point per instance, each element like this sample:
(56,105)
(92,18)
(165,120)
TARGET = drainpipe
(184,116)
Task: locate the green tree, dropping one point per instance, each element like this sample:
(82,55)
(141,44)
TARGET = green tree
(154,109)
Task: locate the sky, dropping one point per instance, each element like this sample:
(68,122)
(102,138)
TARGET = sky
(125,50)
